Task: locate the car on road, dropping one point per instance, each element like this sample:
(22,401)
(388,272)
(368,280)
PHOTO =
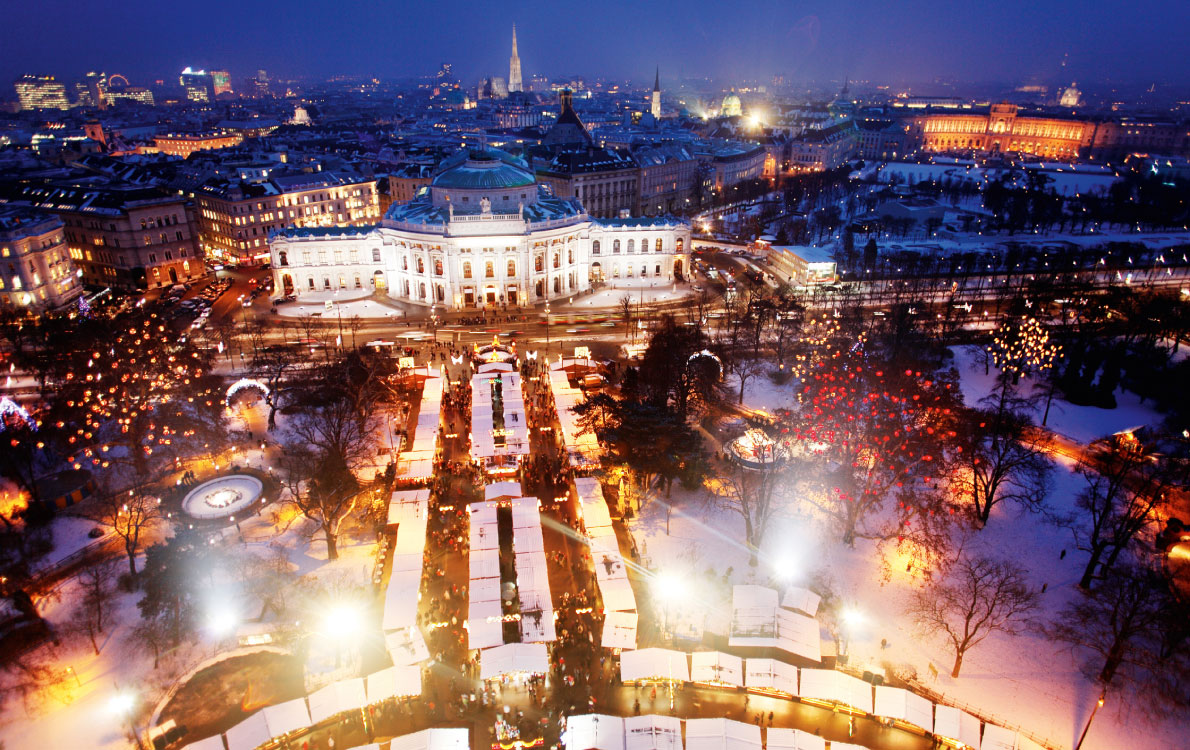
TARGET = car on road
(696,287)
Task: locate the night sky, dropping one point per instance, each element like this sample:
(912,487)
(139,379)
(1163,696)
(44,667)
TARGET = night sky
(919,40)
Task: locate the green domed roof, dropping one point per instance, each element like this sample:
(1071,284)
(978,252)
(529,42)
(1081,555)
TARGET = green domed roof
(488,169)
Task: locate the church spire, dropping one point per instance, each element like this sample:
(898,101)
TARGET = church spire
(655,102)
(657,80)
(514,67)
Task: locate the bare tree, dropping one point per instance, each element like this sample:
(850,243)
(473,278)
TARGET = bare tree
(977,597)
(1122,629)
(333,439)
(1123,493)
(130,515)
(625,307)
(1003,460)
(745,368)
(753,495)
(96,581)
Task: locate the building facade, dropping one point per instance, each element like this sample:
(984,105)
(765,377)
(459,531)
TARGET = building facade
(184,144)
(485,234)
(1002,129)
(125,237)
(41,92)
(236,218)
(36,272)
(668,179)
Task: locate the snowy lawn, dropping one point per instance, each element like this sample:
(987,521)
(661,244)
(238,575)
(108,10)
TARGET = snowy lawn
(1081,423)
(1025,680)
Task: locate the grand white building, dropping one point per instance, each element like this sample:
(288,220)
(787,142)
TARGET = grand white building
(484,233)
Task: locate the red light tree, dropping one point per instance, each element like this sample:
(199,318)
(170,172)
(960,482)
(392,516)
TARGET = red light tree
(882,433)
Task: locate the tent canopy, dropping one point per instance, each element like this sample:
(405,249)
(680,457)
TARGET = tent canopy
(433,739)
(268,723)
(337,697)
(210,743)
(793,739)
(393,682)
(955,724)
(595,732)
(721,734)
(652,732)
(511,658)
(771,674)
(716,666)
(829,685)
(898,703)
(658,663)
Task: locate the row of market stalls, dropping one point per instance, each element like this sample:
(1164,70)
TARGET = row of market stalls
(275,723)
(825,687)
(659,732)
(408,513)
(499,429)
(582,448)
(611,572)
(497,595)
(417,463)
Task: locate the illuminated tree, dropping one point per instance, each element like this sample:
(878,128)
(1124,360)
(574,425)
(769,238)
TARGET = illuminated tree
(881,434)
(126,391)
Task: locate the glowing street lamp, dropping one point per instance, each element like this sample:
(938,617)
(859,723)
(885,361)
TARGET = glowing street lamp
(122,705)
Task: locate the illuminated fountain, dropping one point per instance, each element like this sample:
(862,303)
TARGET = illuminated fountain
(223,497)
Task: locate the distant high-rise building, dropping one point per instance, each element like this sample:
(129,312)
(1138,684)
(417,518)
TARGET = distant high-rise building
(220,82)
(94,90)
(41,92)
(655,107)
(514,67)
(197,84)
(260,83)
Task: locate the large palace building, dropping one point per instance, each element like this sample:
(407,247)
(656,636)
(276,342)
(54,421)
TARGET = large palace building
(484,233)
(1000,129)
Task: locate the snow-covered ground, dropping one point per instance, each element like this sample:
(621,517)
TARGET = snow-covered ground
(646,290)
(345,303)
(760,392)
(1081,423)
(1024,681)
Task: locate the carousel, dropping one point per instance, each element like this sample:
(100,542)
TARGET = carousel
(758,451)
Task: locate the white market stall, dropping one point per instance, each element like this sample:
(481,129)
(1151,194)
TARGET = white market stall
(337,697)
(956,725)
(514,659)
(802,600)
(999,738)
(793,739)
(619,630)
(721,734)
(393,682)
(836,687)
(716,667)
(594,732)
(433,739)
(770,676)
(210,743)
(654,664)
(268,724)
(652,732)
(758,620)
(904,705)
(406,646)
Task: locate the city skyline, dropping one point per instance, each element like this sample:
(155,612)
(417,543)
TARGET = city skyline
(803,42)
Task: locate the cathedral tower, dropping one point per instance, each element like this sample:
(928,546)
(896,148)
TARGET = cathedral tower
(514,67)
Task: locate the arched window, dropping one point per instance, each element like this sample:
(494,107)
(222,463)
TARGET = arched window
(422,290)
(283,258)
(632,246)
(358,284)
(644,245)
(511,268)
(615,246)
(557,259)
(404,262)
(557,285)
(310,280)
(489,270)
(441,293)
(466,269)
(658,247)
(595,247)
(421,267)
(679,244)
(437,266)
(570,256)
(538,264)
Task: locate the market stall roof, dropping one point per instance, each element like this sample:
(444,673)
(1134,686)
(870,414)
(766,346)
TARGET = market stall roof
(956,724)
(337,697)
(594,732)
(619,630)
(268,723)
(406,646)
(617,594)
(514,658)
(898,703)
(393,682)
(721,734)
(771,674)
(838,687)
(658,663)
(216,743)
(780,738)
(802,600)
(439,738)
(652,732)
(716,666)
